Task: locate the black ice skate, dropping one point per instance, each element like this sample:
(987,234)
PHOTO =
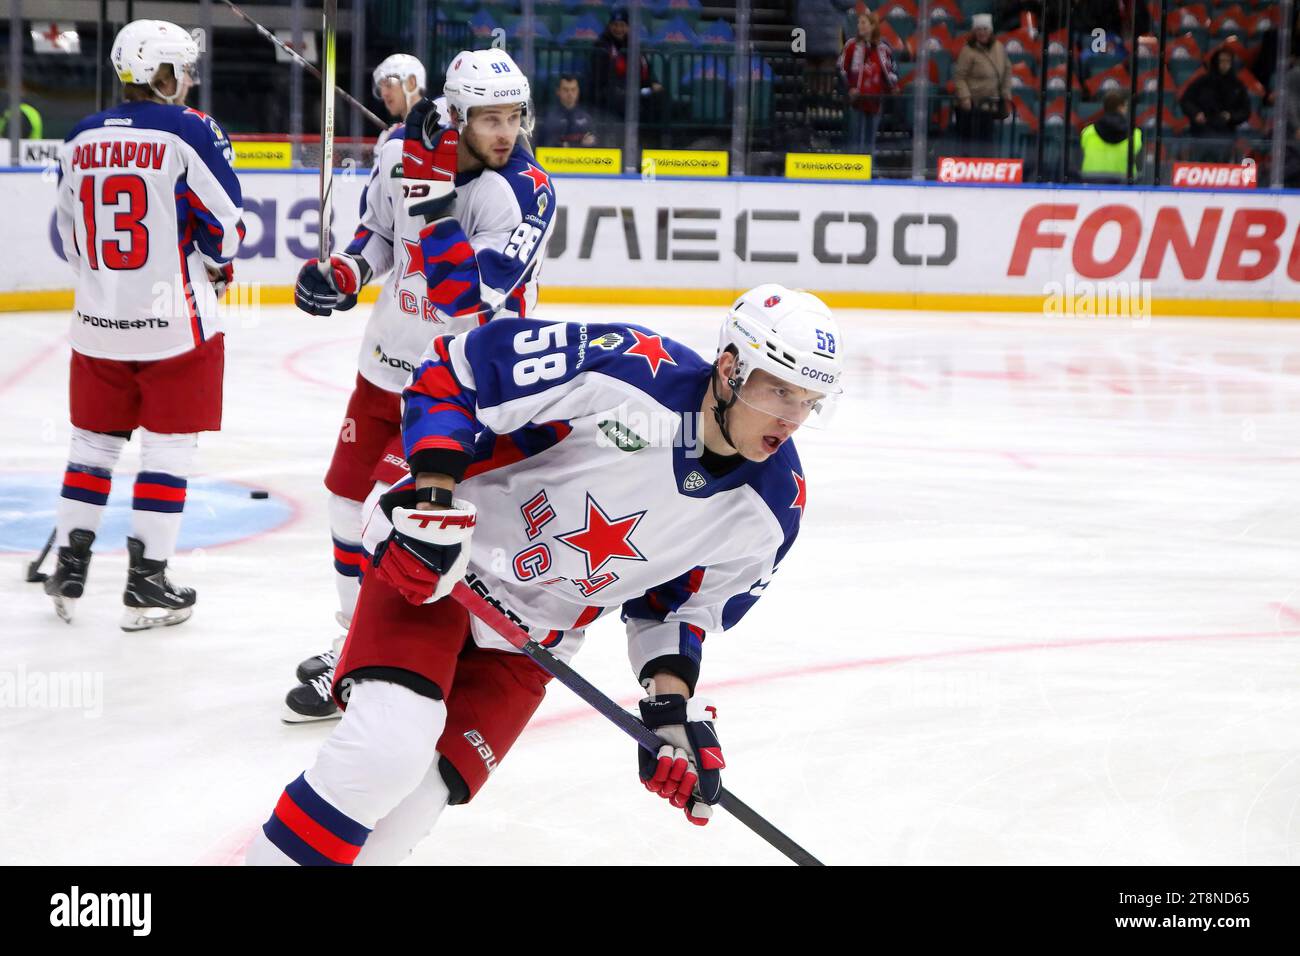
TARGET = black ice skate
(68,581)
(318,664)
(151,600)
(311,700)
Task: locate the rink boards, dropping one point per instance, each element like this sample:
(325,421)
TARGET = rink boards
(1055,250)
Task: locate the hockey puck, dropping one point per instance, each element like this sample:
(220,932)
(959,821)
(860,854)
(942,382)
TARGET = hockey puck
(259,494)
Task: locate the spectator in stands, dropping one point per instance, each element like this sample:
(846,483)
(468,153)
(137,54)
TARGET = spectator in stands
(822,25)
(30,124)
(867,66)
(1217,103)
(982,77)
(609,75)
(1105,143)
(1112,16)
(567,123)
(1264,64)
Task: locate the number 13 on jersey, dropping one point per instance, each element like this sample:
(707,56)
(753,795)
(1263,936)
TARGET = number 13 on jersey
(540,367)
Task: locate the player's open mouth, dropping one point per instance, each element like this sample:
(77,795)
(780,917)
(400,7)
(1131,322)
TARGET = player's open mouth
(771,443)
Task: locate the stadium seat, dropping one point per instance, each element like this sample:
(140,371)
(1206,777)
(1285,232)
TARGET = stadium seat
(716,33)
(1183,71)
(584,28)
(1191,16)
(482,24)
(1115,78)
(674,32)
(688,9)
(946,11)
(1230,21)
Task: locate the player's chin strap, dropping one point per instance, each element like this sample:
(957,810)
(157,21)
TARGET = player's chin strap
(720,407)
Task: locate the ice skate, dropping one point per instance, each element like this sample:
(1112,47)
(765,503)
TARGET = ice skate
(66,584)
(151,599)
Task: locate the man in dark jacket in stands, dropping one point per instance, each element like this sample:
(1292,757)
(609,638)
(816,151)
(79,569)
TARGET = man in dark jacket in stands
(609,74)
(567,123)
(1217,103)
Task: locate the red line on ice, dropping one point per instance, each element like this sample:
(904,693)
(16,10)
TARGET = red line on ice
(290,364)
(230,851)
(30,365)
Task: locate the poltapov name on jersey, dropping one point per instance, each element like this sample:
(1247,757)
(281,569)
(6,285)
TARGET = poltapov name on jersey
(74,908)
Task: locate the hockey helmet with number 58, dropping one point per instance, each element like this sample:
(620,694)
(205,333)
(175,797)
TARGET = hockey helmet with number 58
(791,335)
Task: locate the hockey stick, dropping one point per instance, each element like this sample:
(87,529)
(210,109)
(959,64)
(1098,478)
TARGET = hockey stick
(626,722)
(329,60)
(34,573)
(297,58)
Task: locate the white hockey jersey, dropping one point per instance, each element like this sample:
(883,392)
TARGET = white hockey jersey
(492,206)
(147,201)
(589,488)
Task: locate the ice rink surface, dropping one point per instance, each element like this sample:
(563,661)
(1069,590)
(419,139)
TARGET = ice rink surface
(1044,608)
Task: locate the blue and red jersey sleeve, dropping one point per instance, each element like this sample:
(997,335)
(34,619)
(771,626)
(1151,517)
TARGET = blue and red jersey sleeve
(208,195)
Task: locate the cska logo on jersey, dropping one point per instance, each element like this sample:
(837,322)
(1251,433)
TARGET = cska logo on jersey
(538,177)
(800,491)
(651,348)
(603,538)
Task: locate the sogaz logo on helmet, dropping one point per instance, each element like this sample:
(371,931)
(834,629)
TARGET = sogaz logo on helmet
(818,375)
(501,94)
(749,336)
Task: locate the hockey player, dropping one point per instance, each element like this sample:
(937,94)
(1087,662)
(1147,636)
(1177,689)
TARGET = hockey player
(480,172)
(613,468)
(399,82)
(149,217)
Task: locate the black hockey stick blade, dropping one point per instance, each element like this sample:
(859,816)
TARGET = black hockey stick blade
(625,721)
(34,573)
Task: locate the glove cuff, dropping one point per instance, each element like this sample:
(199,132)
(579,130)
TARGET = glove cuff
(663,710)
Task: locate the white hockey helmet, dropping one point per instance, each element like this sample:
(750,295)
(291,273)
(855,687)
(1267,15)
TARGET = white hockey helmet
(791,335)
(487,78)
(399,66)
(142,46)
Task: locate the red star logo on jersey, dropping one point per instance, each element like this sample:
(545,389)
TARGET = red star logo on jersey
(603,538)
(538,176)
(414,259)
(800,492)
(651,348)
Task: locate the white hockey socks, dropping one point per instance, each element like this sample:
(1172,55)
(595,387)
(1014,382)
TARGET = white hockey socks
(87,481)
(349,559)
(160,487)
(378,755)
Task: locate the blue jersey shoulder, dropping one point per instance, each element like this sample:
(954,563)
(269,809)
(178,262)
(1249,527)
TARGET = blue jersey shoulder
(671,373)
(197,128)
(531,185)
(780,483)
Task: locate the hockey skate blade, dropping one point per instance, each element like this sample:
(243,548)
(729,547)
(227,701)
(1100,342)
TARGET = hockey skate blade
(147,618)
(290,716)
(63,607)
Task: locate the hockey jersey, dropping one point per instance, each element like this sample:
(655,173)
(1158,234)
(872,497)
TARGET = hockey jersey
(147,201)
(506,217)
(577,443)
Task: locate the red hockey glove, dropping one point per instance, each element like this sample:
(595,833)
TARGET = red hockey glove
(427,551)
(429,167)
